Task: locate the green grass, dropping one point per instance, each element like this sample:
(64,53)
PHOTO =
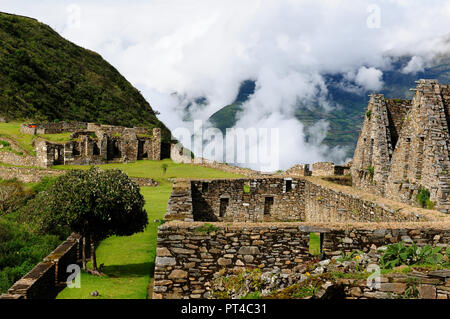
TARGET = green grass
(152,169)
(58,138)
(314,244)
(129,261)
(12,130)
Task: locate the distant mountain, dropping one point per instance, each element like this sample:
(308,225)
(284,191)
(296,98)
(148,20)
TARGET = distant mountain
(346,120)
(44,77)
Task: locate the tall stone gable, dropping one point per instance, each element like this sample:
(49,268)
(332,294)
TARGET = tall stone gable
(403,146)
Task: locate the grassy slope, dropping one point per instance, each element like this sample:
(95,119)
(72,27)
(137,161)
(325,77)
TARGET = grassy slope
(129,260)
(45,77)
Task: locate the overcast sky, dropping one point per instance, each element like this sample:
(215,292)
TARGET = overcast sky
(207,47)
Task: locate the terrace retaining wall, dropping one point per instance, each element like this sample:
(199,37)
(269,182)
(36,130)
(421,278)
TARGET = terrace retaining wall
(189,254)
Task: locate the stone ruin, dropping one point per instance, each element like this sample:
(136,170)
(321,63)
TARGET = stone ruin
(222,226)
(404,146)
(95,144)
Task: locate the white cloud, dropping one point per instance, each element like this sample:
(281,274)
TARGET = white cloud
(206,48)
(371,79)
(416,64)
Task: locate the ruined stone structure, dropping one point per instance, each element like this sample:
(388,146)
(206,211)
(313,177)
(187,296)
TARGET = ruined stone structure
(404,146)
(329,169)
(94,144)
(298,170)
(275,199)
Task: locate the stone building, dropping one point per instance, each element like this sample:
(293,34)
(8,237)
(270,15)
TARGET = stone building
(94,144)
(403,146)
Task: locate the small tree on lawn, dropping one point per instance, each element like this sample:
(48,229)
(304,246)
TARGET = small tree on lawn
(95,204)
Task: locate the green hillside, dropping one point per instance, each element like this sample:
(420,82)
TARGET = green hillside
(44,77)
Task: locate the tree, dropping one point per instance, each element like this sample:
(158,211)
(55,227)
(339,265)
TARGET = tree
(93,203)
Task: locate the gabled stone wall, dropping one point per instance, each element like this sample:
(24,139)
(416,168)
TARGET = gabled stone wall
(99,144)
(248,199)
(404,146)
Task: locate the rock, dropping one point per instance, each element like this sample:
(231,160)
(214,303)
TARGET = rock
(182,251)
(248,250)
(163,252)
(178,274)
(398,288)
(347,240)
(165,261)
(159,289)
(356,292)
(224,261)
(248,258)
(239,263)
(318,270)
(407,240)
(373,248)
(325,262)
(427,291)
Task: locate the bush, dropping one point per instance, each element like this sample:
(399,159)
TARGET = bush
(423,198)
(20,251)
(398,254)
(13,195)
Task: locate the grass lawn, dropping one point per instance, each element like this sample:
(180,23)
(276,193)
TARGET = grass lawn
(58,138)
(129,261)
(152,169)
(12,130)
(314,244)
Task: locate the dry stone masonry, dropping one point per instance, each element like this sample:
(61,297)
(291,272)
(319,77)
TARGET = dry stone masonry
(189,254)
(270,199)
(94,144)
(404,146)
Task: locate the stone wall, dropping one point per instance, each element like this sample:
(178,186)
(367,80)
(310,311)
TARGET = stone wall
(248,199)
(26,175)
(323,169)
(52,128)
(180,202)
(189,254)
(328,169)
(324,204)
(404,146)
(271,199)
(15,159)
(298,170)
(44,280)
(434,285)
(92,144)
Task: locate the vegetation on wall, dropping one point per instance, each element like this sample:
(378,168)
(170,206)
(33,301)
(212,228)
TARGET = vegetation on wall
(423,198)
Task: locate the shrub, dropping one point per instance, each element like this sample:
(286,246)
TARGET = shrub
(369,114)
(13,195)
(20,251)
(423,198)
(398,254)
(94,203)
